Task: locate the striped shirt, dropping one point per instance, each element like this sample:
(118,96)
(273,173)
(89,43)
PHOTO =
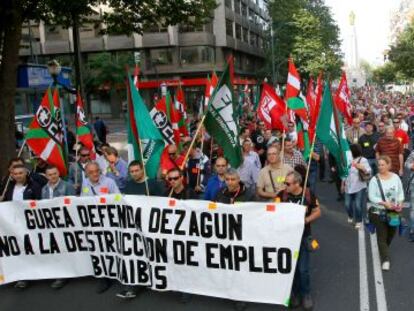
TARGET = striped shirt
(393,148)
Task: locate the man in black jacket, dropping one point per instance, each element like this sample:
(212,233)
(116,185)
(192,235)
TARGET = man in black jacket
(235,190)
(21,186)
(177,189)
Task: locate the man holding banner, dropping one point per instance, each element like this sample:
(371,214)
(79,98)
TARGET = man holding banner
(296,193)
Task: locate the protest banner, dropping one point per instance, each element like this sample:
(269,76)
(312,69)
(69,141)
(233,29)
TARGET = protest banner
(246,251)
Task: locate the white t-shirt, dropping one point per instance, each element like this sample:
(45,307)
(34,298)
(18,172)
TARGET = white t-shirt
(18,192)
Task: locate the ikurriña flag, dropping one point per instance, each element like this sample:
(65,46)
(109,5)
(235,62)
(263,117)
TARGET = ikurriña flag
(45,136)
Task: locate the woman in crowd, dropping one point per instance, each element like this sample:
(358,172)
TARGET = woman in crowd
(355,185)
(386,195)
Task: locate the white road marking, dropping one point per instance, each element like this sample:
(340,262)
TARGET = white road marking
(363,271)
(379,282)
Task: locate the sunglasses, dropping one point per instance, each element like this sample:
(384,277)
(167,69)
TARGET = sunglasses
(173,178)
(288,183)
(220,165)
(84,155)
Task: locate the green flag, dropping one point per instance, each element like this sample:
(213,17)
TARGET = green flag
(221,121)
(330,132)
(142,130)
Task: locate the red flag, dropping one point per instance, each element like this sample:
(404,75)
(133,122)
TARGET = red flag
(293,81)
(181,107)
(343,99)
(211,84)
(314,113)
(45,136)
(272,109)
(83,132)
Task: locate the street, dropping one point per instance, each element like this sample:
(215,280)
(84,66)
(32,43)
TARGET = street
(339,281)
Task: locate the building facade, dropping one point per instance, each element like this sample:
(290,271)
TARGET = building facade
(180,52)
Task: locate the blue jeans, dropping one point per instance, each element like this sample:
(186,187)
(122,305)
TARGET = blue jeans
(312,179)
(373,164)
(301,280)
(354,203)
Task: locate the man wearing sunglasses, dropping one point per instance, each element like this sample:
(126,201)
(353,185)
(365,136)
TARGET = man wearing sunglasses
(301,282)
(177,189)
(76,173)
(171,159)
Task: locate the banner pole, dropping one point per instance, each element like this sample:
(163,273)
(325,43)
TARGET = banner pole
(191,147)
(143,167)
(9,178)
(307,169)
(199,162)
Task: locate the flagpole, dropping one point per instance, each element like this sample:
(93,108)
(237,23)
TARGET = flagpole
(308,168)
(191,147)
(9,178)
(143,166)
(200,161)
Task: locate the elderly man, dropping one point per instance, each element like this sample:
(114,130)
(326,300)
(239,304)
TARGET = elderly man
(272,177)
(391,146)
(96,183)
(355,131)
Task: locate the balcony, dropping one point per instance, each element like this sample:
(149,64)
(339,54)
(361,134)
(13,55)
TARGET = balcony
(120,43)
(155,39)
(196,38)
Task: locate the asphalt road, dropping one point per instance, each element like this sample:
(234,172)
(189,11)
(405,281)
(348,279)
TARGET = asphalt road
(337,278)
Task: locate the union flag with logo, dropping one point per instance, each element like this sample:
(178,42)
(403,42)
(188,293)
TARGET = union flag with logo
(45,135)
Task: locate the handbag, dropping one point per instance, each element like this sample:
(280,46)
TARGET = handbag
(392,218)
(364,177)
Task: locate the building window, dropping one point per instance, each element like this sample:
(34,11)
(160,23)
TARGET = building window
(252,39)
(229,28)
(237,6)
(155,28)
(190,28)
(196,55)
(244,10)
(238,32)
(161,56)
(245,35)
(228,3)
(251,16)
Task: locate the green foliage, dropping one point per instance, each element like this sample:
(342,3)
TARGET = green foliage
(385,74)
(305,30)
(402,53)
(105,71)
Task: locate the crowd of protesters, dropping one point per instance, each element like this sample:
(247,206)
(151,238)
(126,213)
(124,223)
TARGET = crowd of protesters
(272,170)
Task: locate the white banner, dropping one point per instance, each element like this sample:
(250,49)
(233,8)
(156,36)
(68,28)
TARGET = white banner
(246,251)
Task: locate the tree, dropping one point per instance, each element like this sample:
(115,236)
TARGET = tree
(385,74)
(305,30)
(124,17)
(402,53)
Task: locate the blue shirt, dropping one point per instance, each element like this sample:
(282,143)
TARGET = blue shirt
(104,186)
(214,184)
(122,178)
